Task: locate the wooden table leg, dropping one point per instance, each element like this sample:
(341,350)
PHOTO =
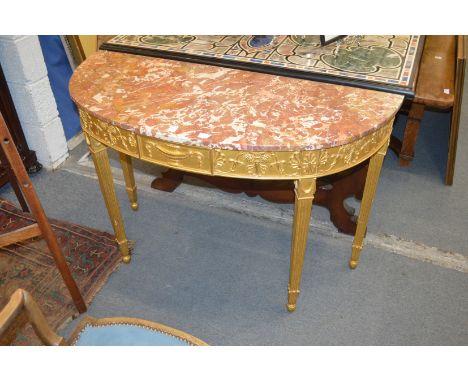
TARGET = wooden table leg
(373,173)
(130,185)
(456,110)
(304,195)
(169,181)
(415,116)
(106,182)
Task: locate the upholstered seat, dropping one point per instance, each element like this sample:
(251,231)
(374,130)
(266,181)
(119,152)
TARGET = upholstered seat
(114,331)
(125,331)
(125,335)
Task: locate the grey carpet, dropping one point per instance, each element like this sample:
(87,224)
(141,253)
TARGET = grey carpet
(222,277)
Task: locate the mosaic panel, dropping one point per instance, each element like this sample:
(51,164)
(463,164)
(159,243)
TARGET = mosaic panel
(376,62)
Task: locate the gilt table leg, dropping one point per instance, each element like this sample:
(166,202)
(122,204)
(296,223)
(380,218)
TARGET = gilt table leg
(375,165)
(106,182)
(130,185)
(304,195)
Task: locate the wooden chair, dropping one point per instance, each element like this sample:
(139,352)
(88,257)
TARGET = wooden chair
(90,331)
(440,87)
(27,196)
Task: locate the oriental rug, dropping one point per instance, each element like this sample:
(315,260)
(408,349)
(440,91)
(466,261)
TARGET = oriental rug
(388,63)
(92,256)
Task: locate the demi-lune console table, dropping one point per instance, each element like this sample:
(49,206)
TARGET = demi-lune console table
(232,123)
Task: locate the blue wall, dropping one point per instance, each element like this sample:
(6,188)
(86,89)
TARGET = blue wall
(60,71)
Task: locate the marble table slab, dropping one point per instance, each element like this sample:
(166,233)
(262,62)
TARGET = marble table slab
(217,107)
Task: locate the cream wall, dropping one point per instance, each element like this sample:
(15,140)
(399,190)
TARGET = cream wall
(26,74)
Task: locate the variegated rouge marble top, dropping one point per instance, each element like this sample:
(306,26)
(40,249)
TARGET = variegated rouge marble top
(216,107)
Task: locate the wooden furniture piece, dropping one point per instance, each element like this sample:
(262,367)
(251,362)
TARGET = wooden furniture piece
(439,86)
(231,123)
(7,109)
(456,109)
(90,331)
(42,227)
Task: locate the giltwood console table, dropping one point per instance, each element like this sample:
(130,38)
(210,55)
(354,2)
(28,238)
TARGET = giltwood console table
(231,123)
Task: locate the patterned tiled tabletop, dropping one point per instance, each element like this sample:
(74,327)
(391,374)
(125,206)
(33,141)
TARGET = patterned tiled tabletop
(386,62)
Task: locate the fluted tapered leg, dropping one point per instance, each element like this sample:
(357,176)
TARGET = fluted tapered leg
(106,182)
(304,196)
(373,173)
(130,185)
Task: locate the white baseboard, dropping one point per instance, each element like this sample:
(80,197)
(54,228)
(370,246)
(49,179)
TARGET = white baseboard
(75,141)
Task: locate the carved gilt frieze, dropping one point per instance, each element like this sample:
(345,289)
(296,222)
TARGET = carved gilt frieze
(236,163)
(113,136)
(252,164)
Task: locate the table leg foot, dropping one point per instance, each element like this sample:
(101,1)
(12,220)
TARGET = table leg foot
(356,252)
(292,298)
(291,307)
(126,251)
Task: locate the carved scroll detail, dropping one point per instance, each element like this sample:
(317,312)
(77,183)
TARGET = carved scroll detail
(255,163)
